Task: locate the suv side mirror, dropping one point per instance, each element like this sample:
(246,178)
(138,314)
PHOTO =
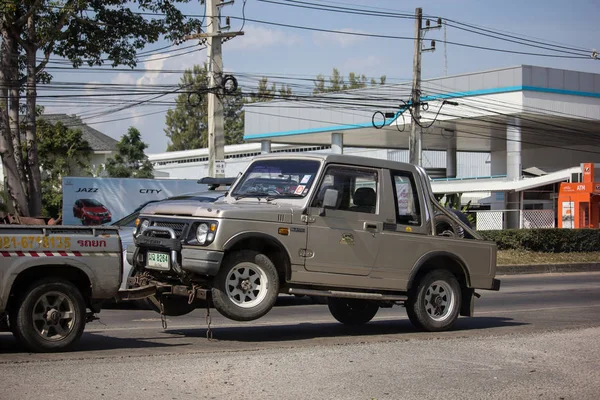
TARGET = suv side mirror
(330,200)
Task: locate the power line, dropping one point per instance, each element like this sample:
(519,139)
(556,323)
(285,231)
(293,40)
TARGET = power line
(490,33)
(372,35)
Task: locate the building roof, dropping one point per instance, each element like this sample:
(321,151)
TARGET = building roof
(97,140)
(567,103)
(501,184)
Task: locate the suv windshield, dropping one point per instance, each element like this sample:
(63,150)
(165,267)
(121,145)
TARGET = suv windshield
(277,178)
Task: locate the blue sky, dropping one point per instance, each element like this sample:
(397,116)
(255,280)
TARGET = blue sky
(269,50)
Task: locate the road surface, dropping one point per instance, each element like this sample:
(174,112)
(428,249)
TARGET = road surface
(536,338)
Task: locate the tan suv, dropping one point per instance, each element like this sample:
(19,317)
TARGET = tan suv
(358,231)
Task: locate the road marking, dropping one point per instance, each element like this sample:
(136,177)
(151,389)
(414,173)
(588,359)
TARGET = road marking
(540,309)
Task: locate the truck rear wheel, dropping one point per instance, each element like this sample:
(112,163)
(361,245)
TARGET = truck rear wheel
(352,311)
(49,317)
(246,286)
(433,305)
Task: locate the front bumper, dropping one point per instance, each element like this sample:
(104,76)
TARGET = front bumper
(190,259)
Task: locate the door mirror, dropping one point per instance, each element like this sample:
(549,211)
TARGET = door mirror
(330,200)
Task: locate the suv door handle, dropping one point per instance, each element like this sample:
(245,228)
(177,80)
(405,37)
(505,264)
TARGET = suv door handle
(370,226)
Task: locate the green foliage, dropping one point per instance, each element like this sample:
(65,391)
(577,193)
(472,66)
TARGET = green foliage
(63,152)
(130,160)
(546,240)
(233,112)
(187,123)
(337,83)
(88,32)
(454,201)
(264,92)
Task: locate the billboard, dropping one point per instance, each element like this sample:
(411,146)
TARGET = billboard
(97,201)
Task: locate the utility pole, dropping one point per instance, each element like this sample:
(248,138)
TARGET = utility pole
(415,145)
(216,129)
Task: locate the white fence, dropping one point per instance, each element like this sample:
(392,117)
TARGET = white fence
(528,219)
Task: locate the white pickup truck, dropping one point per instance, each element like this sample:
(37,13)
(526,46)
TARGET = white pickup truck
(50,276)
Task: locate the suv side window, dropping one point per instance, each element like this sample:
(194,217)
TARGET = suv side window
(408,210)
(357,189)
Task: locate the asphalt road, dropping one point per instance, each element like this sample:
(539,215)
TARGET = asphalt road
(536,338)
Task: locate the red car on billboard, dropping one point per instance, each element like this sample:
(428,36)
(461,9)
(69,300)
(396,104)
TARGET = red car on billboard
(91,212)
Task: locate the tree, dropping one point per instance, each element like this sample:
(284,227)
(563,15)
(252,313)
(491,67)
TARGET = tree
(63,152)
(187,123)
(337,83)
(356,82)
(82,31)
(130,160)
(266,93)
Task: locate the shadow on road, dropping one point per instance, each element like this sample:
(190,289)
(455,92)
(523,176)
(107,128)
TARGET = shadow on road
(306,331)
(282,301)
(94,342)
(395,329)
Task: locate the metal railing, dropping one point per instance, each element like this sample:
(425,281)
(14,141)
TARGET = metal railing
(527,219)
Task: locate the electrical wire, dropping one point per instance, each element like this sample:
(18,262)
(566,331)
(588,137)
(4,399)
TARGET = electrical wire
(455,24)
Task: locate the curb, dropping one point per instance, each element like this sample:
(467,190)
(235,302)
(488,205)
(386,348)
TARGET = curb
(546,268)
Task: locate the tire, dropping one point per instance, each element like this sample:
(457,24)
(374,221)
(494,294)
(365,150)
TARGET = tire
(445,226)
(255,290)
(173,306)
(50,316)
(352,311)
(436,287)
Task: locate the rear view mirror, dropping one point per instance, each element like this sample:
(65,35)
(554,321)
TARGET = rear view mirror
(330,199)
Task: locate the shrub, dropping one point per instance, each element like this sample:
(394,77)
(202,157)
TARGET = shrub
(546,240)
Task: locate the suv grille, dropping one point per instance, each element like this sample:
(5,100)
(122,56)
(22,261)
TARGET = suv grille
(178,227)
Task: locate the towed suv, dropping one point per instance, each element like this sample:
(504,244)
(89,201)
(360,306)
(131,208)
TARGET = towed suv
(359,231)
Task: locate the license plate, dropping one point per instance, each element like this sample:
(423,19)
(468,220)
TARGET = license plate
(158,261)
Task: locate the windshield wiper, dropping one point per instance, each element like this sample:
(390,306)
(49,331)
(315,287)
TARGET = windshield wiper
(258,195)
(286,195)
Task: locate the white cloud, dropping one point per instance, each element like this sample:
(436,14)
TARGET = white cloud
(123,78)
(362,65)
(338,39)
(258,37)
(154,63)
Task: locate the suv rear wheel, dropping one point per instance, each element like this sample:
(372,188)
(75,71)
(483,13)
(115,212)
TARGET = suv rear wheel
(434,303)
(352,311)
(246,286)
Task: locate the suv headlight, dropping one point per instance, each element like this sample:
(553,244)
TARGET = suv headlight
(205,232)
(202,233)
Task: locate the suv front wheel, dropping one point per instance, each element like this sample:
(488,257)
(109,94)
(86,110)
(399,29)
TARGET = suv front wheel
(246,286)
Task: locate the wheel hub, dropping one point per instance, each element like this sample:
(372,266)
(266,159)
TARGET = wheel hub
(53,316)
(245,285)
